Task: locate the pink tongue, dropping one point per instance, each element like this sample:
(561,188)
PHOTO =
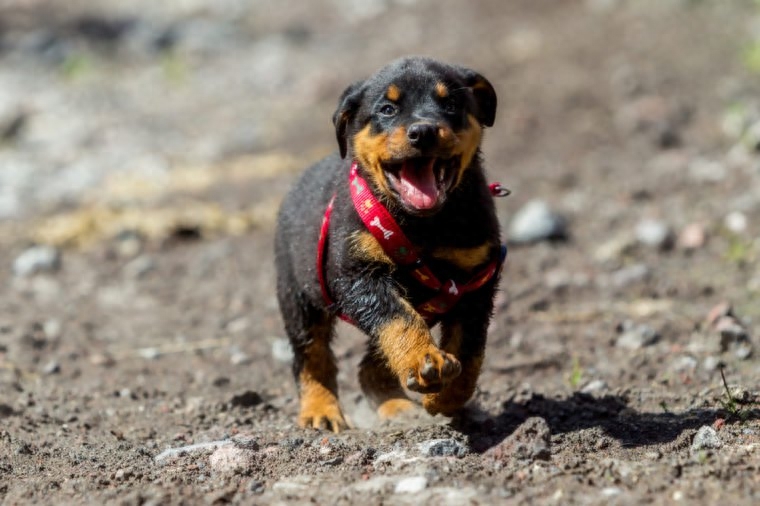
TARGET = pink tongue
(418,186)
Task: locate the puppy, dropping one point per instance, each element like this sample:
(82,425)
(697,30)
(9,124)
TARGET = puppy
(395,233)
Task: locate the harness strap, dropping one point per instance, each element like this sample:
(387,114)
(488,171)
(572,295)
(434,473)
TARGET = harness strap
(391,238)
(386,231)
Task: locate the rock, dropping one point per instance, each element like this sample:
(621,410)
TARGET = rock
(736,222)
(139,267)
(535,222)
(721,309)
(706,438)
(37,259)
(692,237)
(593,386)
(615,248)
(232,458)
(294,486)
(655,234)
(172,453)
(635,337)
(629,275)
(712,363)
(530,441)
(734,336)
(52,367)
(684,364)
(247,399)
(702,170)
(442,448)
(281,350)
(52,329)
(238,357)
(411,485)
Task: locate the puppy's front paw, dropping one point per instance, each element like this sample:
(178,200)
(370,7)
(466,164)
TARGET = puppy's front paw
(432,370)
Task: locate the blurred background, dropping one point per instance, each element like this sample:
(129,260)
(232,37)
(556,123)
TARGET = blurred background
(145,146)
(120,106)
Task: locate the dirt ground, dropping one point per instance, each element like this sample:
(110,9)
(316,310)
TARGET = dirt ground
(149,143)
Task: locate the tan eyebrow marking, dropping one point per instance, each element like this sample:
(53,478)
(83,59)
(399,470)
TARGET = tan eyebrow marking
(393,93)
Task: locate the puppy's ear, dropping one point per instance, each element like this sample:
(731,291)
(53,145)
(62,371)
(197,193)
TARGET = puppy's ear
(485,96)
(347,106)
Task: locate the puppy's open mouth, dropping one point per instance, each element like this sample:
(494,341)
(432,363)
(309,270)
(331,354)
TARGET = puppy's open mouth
(422,183)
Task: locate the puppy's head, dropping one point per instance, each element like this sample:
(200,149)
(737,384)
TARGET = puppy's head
(415,126)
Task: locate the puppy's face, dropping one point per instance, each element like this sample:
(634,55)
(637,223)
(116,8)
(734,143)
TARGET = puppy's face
(416,126)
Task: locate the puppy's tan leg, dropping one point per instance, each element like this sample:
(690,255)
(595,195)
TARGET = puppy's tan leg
(318,383)
(381,386)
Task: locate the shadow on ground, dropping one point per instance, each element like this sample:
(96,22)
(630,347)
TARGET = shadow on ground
(581,411)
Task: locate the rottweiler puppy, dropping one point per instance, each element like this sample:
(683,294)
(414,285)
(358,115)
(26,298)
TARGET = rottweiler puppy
(411,133)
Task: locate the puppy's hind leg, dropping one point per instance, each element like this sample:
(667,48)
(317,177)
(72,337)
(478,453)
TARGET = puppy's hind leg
(310,331)
(381,386)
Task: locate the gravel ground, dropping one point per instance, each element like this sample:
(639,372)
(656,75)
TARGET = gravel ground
(144,148)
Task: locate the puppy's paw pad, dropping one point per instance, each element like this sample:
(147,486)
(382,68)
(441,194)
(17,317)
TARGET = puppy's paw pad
(433,371)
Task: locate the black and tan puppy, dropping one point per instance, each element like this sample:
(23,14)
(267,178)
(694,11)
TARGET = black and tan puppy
(413,131)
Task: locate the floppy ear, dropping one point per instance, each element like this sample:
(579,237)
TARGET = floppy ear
(347,107)
(485,96)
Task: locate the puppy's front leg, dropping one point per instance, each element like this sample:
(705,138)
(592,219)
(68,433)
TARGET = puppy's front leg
(464,333)
(398,331)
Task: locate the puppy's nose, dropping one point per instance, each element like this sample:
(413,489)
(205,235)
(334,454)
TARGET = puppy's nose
(422,135)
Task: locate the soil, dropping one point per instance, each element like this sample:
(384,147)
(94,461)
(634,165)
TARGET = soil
(151,144)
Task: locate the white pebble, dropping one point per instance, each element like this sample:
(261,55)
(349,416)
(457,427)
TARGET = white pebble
(534,222)
(736,222)
(37,259)
(411,485)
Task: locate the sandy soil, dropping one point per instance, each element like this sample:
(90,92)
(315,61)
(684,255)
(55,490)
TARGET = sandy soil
(151,144)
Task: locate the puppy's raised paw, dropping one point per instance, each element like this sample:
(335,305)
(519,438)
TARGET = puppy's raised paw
(432,370)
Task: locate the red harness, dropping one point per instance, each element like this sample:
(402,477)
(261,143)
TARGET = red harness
(386,231)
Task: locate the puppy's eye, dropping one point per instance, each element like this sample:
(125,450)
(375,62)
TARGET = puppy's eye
(451,107)
(388,110)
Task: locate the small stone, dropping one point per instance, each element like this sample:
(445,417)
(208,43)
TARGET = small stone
(256,486)
(139,267)
(291,487)
(239,358)
(712,363)
(52,329)
(150,353)
(684,364)
(52,367)
(702,170)
(247,399)
(593,386)
(635,337)
(530,441)
(231,458)
(655,234)
(535,222)
(692,237)
(736,222)
(282,351)
(706,439)
(37,259)
(411,485)
(615,248)
(442,448)
(721,309)
(626,276)
(122,474)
